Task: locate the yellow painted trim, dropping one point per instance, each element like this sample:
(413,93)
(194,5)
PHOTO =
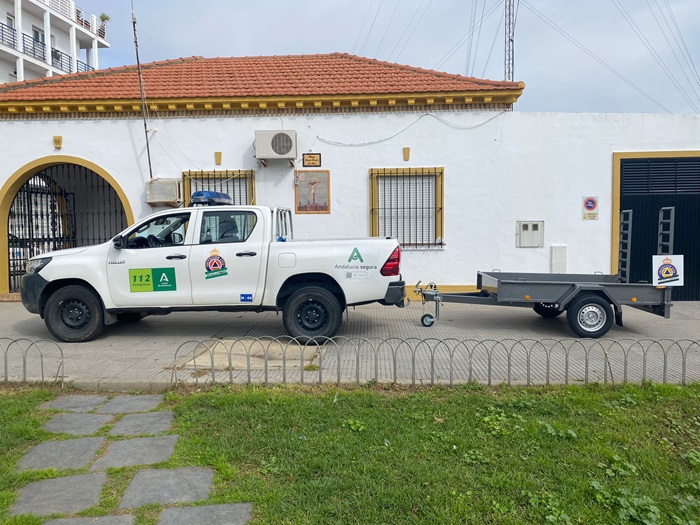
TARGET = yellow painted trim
(617,191)
(14,183)
(255,103)
(249,175)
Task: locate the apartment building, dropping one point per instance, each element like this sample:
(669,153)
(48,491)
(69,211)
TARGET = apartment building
(42,38)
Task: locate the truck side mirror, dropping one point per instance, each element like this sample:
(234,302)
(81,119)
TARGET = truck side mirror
(118,242)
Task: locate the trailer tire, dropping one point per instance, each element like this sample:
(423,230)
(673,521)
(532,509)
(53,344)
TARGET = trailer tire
(547,310)
(427,320)
(310,313)
(590,316)
(74,314)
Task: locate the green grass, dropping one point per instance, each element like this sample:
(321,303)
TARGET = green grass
(392,455)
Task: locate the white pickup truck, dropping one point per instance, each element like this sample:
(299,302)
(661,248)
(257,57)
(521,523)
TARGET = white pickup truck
(224,258)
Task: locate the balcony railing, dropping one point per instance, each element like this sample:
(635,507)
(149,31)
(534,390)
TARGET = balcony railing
(82,67)
(61,60)
(79,15)
(8,36)
(33,47)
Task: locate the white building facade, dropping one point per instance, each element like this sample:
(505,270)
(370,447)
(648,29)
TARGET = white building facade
(464,188)
(42,38)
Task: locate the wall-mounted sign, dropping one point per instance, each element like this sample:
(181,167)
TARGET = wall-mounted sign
(668,270)
(590,208)
(311,160)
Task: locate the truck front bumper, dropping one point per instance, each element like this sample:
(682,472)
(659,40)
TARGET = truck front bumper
(31,289)
(395,294)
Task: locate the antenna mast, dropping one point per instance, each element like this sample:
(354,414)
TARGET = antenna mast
(510,40)
(143,94)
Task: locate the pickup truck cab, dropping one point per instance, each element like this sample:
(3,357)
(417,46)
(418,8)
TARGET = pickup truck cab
(223,257)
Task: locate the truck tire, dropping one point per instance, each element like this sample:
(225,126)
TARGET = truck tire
(74,314)
(590,316)
(547,310)
(312,312)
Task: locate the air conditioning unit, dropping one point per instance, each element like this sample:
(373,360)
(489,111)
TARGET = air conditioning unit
(164,192)
(275,144)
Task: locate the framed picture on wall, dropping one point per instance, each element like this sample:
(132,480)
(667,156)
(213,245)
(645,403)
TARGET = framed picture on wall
(312,191)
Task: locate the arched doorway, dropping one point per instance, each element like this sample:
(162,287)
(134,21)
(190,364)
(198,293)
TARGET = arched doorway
(59,203)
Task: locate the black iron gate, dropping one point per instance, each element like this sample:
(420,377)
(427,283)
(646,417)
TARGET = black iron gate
(648,185)
(64,206)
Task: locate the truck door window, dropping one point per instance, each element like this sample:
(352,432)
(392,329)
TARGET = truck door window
(227,226)
(166,230)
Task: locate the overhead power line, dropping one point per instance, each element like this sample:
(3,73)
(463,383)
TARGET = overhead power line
(359,35)
(659,60)
(406,29)
(369,33)
(595,57)
(466,36)
(689,66)
(386,29)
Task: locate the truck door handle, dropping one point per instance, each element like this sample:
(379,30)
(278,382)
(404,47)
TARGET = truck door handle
(178,256)
(246,254)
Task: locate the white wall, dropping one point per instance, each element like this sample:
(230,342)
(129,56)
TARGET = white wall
(503,168)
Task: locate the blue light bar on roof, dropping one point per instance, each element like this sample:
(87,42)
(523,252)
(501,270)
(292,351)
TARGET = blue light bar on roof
(210,198)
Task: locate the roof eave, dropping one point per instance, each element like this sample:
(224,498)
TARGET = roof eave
(494,96)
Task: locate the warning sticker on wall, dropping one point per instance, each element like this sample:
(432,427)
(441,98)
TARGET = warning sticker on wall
(152,280)
(590,208)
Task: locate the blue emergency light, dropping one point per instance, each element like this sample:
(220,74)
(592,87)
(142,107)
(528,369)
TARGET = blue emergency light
(210,198)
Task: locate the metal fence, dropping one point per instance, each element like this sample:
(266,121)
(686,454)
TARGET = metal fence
(412,361)
(33,361)
(436,361)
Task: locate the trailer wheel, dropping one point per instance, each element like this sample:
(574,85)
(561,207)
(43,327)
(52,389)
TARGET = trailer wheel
(312,312)
(74,314)
(427,320)
(547,310)
(590,316)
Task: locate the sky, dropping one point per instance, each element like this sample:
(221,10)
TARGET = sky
(594,56)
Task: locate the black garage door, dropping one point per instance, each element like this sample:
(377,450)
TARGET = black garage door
(649,185)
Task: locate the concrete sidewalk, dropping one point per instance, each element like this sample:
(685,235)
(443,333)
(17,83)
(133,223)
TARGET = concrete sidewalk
(140,356)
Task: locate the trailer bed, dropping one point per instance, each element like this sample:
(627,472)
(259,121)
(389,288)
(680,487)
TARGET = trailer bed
(591,301)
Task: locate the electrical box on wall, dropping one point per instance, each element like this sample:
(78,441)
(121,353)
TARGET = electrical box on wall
(529,234)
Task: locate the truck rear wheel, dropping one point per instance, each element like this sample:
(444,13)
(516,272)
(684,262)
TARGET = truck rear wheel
(547,310)
(312,312)
(74,314)
(590,316)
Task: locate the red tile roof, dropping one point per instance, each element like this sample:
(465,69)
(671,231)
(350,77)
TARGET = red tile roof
(267,76)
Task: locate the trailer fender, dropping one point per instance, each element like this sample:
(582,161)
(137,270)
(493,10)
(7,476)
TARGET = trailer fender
(578,290)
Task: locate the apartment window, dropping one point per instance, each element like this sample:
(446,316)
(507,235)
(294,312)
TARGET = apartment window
(237,184)
(407,204)
(38,35)
(10,21)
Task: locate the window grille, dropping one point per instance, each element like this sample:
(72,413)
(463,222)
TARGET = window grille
(407,204)
(238,184)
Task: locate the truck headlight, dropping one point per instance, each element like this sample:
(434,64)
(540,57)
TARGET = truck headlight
(35,265)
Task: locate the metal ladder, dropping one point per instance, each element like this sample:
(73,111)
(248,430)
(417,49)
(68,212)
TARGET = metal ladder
(667,220)
(625,245)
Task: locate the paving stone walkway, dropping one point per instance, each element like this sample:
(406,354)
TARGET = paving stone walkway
(142,437)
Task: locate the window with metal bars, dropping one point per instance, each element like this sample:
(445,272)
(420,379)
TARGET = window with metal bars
(238,184)
(407,204)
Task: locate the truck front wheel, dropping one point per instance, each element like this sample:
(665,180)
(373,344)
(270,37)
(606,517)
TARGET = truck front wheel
(590,316)
(312,312)
(74,314)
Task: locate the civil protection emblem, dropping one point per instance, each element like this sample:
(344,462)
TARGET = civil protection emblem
(667,272)
(215,266)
